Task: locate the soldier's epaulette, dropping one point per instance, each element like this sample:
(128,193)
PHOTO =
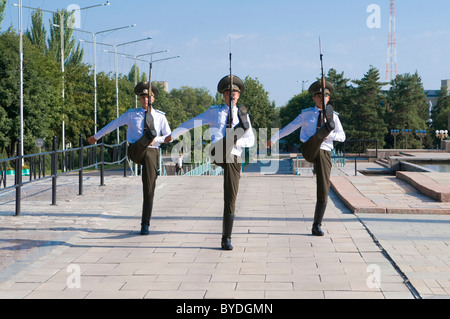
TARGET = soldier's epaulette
(134,110)
(308,109)
(216,106)
(160,112)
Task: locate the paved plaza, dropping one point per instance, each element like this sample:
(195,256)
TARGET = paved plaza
(89,246)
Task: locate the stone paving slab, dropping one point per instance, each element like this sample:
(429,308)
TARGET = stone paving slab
(89,246)
(274,255)
(420,246)
(390,195)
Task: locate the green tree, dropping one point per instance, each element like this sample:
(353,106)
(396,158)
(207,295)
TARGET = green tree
(73,54)
(37,34)
(106,103)
(256,99)
(173,108)
(2,11)
(366,120)
(342,98)
(42,97)
(440,112)
(79,103)
(141,77)
(406,106)
(194,100)
(294,108)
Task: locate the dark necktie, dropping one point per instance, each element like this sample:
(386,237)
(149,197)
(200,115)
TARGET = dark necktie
(319,120)
(230,118)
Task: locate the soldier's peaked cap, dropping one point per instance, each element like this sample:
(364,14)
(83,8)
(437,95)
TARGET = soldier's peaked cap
(224,84)
(316,87)
(143,88)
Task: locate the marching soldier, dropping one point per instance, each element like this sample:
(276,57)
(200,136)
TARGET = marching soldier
(147,128)
(318,141)
(228,135)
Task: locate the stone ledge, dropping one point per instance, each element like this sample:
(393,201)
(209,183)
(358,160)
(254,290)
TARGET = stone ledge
(426,185)
(352,198)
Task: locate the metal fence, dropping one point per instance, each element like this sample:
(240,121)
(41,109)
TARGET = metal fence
(51,165)
(205,168)
(357,150)
(350,149)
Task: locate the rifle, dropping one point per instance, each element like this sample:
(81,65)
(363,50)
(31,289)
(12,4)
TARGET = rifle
(322,81)
(150,84)
(230,117)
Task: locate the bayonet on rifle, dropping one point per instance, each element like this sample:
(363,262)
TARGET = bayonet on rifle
(322,81)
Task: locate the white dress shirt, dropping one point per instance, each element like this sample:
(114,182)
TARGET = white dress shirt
(307,120)
(216,118)
(135,120)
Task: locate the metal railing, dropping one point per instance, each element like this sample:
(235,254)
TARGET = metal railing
(350,149)
(300,165)
(205,168)
(53,164)
(357,150)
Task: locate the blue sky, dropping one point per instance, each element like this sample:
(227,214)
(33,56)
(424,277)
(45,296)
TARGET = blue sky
(274,41)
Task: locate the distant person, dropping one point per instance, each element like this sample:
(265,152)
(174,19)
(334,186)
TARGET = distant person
(318,138)
(147,128)
(229,135)
(179,165)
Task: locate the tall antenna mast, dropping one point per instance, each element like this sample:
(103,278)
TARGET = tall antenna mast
(391,66)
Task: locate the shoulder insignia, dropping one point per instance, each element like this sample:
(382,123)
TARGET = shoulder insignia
(309,109)
(216,107)
(160,112)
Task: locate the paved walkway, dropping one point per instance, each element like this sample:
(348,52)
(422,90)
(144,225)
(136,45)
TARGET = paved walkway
(89,246)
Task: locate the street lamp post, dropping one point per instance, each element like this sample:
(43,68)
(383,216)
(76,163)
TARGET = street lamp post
(61,16)
(94,41)
(442,135)
(421,134)
(117,73)
(395,133)
(303,84)
(136,58)
(406,133)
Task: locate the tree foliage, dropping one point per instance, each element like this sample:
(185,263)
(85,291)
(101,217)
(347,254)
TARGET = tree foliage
(2,11)
(440,112)
(367,111)
(42,93)
(256,99)
(367,114)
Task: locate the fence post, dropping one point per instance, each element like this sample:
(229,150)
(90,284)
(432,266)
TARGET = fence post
(18,177)
(80,166)
(102,162)
(125,162)
(54,170)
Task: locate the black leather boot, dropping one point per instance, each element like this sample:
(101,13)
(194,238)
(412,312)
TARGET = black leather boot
(318,217)
(146,215)
(149,127)
(145,229)
(243,119)
(329,125)
(329,114)
(227,228)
